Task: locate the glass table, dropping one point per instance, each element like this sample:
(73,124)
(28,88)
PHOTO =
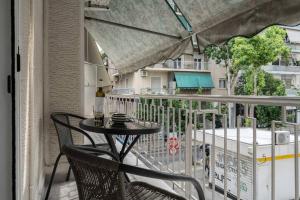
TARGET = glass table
(132,129)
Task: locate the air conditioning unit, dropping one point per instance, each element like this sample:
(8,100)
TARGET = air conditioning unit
(282,137)
(143,73)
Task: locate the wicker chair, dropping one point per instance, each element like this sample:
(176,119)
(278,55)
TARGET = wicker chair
(102,179)
(64,129)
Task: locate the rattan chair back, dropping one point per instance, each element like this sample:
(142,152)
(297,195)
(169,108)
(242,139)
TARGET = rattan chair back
(62,123)
(96,178)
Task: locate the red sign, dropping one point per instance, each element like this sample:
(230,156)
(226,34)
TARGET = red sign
(173,145)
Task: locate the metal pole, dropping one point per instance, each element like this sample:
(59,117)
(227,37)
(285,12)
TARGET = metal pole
(296,162)
(203,150)
(225,157)
(195,142)
(283,113)
(238,190)
(213,156)
(254,159)
(188,150)
(273,161)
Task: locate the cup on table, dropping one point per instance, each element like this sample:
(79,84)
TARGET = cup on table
(98,118)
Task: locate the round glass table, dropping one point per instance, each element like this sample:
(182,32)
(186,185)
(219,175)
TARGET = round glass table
(132,129)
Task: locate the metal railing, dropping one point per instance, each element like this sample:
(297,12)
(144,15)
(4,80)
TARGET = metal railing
(195,65)
(243,162)
(157,91)
(123,91)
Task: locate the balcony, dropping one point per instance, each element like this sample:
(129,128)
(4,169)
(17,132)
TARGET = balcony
(181,66)
(157,91)
(123,91)
(280,69)
(189,122)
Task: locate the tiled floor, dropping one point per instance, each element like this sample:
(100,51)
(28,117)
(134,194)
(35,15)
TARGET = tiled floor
(64,191)
(68,190)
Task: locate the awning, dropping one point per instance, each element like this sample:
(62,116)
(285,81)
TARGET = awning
(193,80)
(139,33)
(216,21)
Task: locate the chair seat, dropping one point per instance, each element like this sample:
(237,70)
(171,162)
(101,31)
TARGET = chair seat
(140,191)
(104,146)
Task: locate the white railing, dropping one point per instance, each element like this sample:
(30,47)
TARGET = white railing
(157,91)
(195,65)
(196,141)
(123,91)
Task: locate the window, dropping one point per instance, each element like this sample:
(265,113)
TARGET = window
(197,63)
(156,84)
(222,83)
(288,81)
(177,63)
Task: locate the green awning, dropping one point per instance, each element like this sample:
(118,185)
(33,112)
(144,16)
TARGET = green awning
(193,80)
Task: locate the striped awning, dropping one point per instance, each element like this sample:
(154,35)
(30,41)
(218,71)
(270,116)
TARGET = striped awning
(193,80)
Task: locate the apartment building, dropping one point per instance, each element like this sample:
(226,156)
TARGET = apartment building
(188,74)
(289,72)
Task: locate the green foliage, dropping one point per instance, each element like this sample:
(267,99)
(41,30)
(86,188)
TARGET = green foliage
(261,49)
(249,54)
(200,91)
(219,53)
(267,85)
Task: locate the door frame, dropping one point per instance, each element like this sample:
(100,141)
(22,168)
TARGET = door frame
(15,66)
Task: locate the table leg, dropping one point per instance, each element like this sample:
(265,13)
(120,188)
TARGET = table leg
(112,145)
(123,155)
(124,144)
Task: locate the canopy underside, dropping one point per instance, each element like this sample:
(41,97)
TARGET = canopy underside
(139,33)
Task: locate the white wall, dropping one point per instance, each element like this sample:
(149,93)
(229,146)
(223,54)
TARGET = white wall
(5,102)
(64,85)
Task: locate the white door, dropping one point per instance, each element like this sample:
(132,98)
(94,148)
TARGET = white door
(5,102)
(156,84)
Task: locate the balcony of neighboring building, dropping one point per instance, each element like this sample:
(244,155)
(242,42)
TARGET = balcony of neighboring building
(179,64)
(282,69)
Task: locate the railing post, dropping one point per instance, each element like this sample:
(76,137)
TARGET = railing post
(297,130)
(238,152)
(188,150)
(225,156)
(273,185)
(254,159)
(213,156)
(283,113)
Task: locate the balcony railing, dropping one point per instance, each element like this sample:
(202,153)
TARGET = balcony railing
(282,69)
(123,91)
(192,65)
(245,162)
(157,91)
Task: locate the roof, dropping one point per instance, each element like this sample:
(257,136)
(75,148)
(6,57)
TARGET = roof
(192,80)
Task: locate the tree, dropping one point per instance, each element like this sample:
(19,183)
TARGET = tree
(274,87)
(255,52)
(222,54)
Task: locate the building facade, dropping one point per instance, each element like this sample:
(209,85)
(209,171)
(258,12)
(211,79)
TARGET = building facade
(188,74)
